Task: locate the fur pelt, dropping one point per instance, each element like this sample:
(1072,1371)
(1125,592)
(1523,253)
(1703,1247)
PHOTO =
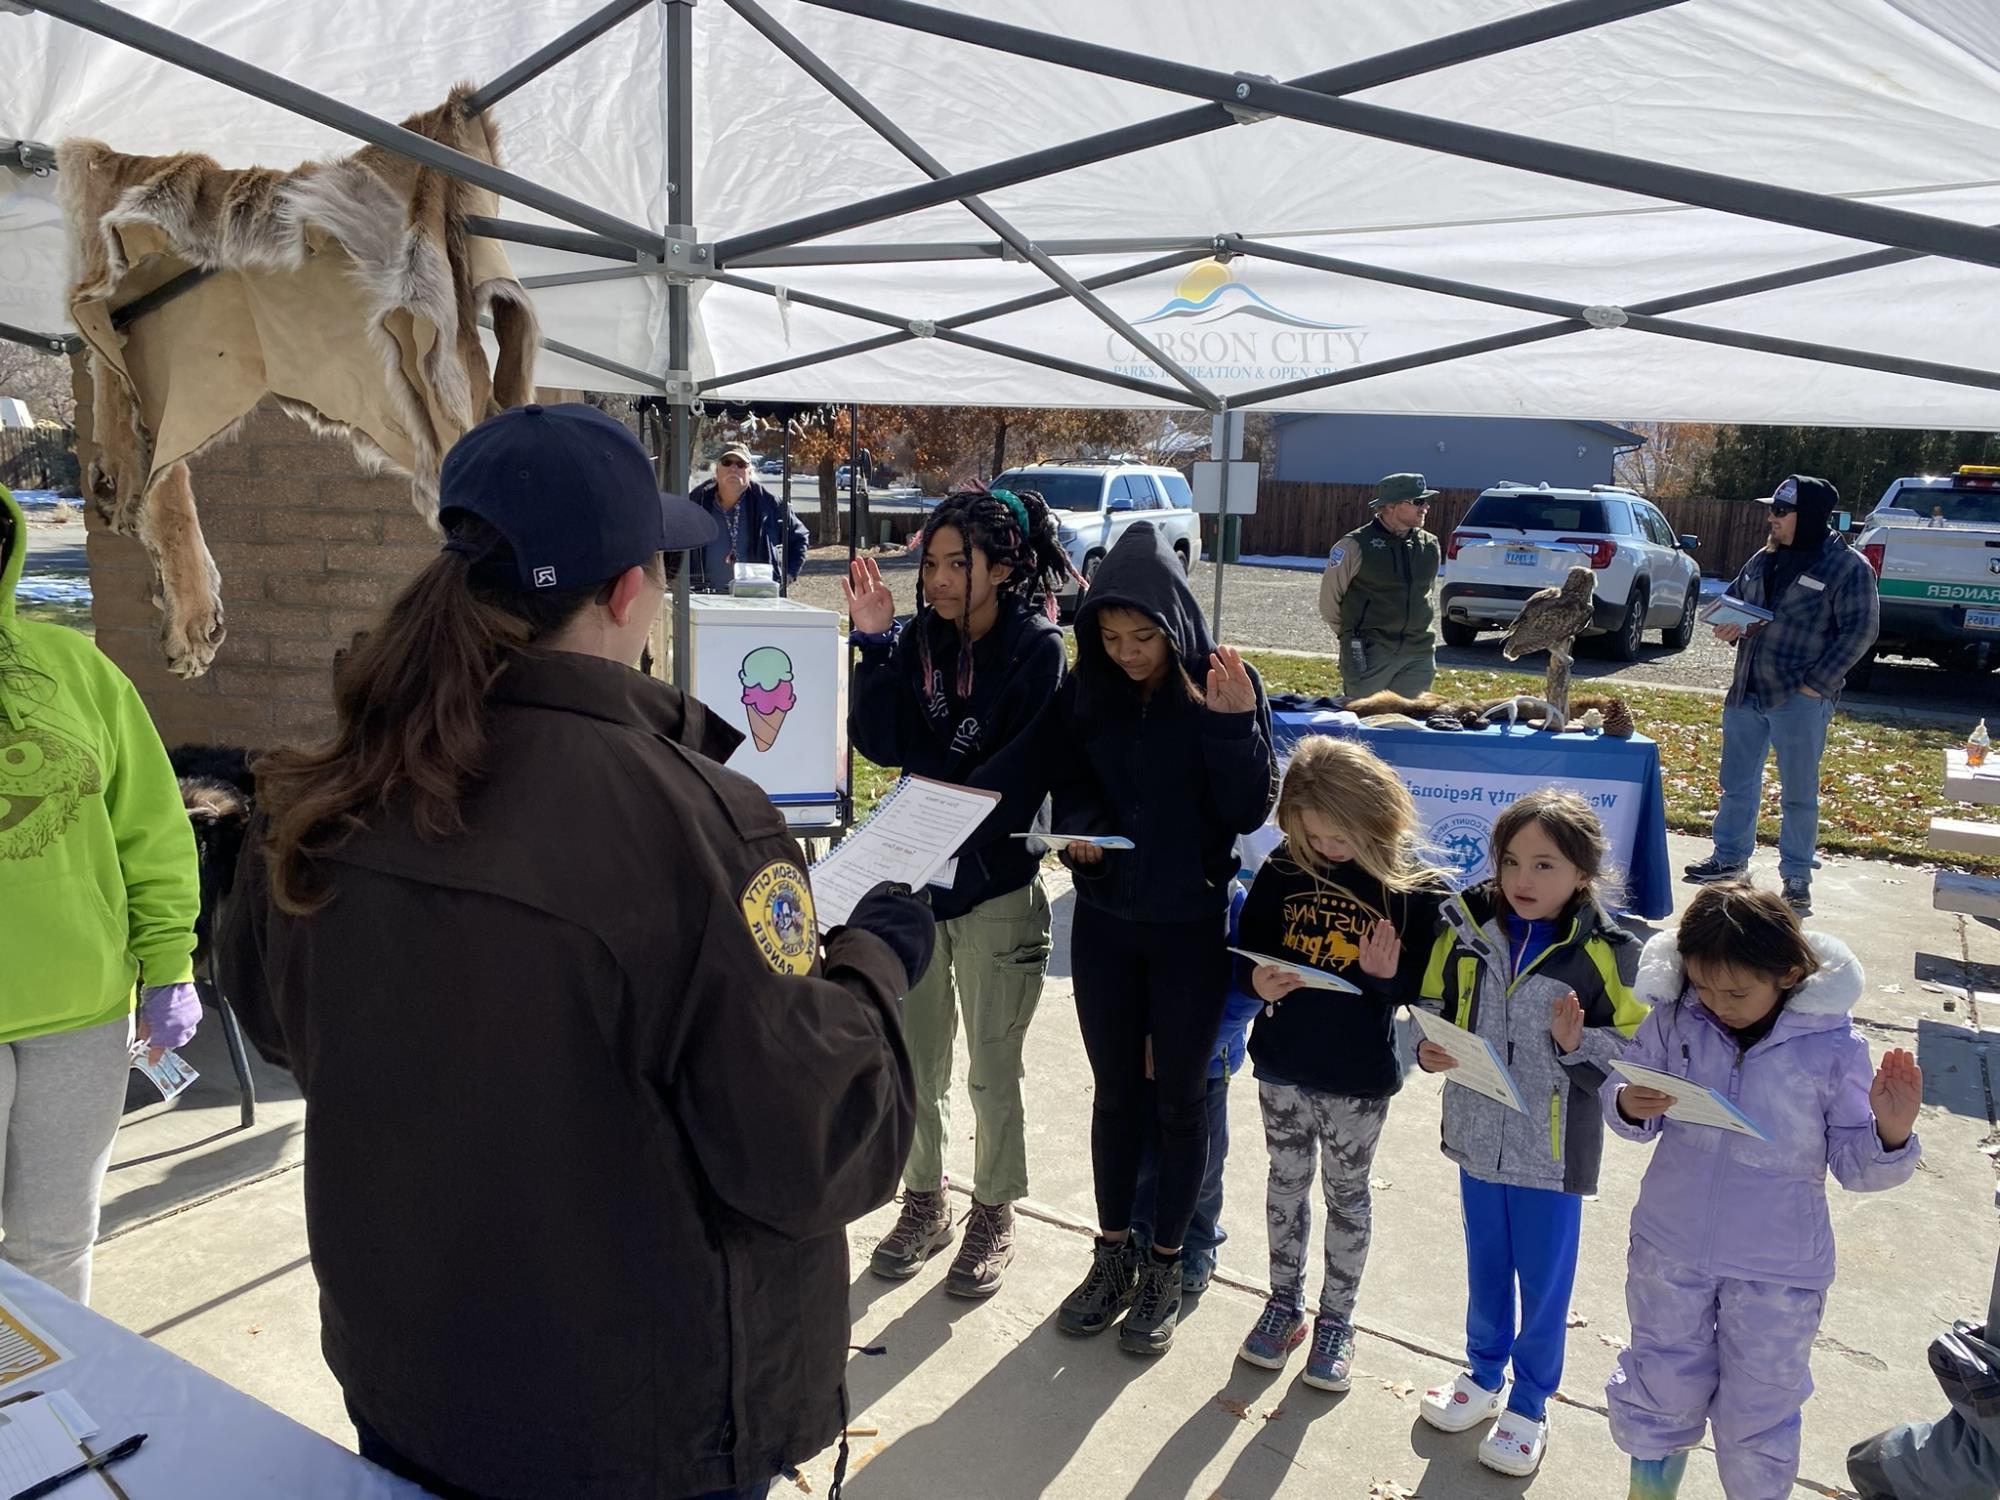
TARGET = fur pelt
(372,247)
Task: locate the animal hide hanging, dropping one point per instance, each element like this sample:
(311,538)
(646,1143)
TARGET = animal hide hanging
(348,291)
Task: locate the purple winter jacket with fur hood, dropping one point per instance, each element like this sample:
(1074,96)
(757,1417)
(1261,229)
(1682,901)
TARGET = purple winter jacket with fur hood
(1730,1205)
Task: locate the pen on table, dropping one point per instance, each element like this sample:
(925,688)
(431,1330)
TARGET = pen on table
(110,1455)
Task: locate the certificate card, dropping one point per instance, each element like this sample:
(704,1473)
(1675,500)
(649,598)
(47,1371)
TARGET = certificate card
(1309,977)
(1693,1103)
(910,837)
(1057,840)
(1479,1066)
(1730,610)
(25,1350)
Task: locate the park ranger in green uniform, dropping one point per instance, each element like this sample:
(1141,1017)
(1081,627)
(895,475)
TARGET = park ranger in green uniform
(1376,594)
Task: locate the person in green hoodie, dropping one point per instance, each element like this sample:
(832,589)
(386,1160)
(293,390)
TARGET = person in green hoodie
(98,894)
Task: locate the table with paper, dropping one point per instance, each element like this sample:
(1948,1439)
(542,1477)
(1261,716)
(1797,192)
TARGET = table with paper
(1694,1103)
(1479,1066)
(910,836)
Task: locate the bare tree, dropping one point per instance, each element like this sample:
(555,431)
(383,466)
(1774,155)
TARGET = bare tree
(1672,462)
(40,379)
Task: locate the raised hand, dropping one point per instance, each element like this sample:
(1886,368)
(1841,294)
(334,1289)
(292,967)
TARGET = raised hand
(871,608)
(1381,951)
(1895,1096)
(1229,690)
(1566,1023)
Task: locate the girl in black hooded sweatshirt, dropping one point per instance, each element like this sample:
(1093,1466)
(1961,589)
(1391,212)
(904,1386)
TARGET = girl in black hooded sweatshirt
(1164,738)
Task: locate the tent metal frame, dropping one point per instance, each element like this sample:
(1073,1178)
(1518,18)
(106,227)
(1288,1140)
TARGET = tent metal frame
(675,253)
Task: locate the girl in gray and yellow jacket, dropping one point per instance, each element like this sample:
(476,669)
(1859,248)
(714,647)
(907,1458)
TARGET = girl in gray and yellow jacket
(1531,963)
(98,892)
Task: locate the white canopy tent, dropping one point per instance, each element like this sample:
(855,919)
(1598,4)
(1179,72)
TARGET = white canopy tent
(1635,209)
(1879,118)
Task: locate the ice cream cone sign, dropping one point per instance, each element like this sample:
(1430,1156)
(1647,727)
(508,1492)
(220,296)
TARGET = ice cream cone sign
(766,676)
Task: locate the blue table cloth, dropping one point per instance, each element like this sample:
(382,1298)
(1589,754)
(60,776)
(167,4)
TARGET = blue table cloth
(1462,781)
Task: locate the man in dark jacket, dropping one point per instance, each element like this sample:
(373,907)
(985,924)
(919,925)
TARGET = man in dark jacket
(1376,594)
(752,526)
(589,1105)
(1789,674)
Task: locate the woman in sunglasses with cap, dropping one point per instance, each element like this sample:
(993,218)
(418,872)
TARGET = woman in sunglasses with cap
(589,1104)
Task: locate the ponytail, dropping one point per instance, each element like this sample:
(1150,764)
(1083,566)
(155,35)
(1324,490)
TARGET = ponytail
(410,709)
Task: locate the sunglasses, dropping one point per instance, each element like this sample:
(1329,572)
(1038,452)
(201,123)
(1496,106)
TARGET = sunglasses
(732,463)
(1781,510)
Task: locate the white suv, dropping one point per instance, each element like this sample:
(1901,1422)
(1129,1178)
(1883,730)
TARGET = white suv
(1094,503)
(1517,538)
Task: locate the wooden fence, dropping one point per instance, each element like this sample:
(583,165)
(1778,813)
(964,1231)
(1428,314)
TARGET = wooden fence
(1305,520)
(38,458)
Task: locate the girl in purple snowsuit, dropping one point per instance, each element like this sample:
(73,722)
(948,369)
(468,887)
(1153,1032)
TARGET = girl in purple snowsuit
(1731,1250)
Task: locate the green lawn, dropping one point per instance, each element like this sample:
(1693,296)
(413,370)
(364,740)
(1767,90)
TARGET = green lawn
(76,616)
(1880,784)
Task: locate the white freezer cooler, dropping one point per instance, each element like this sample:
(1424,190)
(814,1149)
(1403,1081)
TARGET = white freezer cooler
(773,668)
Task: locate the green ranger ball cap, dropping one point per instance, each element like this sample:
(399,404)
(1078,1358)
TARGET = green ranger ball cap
(1396,488)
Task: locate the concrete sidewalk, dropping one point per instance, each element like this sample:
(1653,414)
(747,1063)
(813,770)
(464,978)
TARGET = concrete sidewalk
(206,1253)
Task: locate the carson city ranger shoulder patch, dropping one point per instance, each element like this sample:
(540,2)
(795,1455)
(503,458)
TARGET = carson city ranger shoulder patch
(1336,555)
(778,909)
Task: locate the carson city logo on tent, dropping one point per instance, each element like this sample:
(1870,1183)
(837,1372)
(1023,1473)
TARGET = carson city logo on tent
(1219,327)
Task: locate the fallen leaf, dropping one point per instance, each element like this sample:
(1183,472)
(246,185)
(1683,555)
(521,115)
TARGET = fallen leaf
(255,1329)
(1890,989)
(804,1484)
(1578,1320)
(1398,1388)
(1380,1184)
(1388,1489)
(1237,1409)
(1274,1413)
(1610,1341)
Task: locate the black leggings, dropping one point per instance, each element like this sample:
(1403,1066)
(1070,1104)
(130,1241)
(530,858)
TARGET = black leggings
(1168,981)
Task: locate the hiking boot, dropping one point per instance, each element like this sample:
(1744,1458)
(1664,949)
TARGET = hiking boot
(1798,896)
(1113,1277)
(985,1252)
(1332,1355)
(1197,1270)
(1280,1329)
(1712,869)
(922,1229)
(1156,1307)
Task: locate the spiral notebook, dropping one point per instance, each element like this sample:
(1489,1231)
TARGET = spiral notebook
(909,838)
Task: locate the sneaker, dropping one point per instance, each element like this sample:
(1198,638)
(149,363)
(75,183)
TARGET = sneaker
(1156,1307)
(1197,1270)
(922,1229)
(1713,869)
(1798,896)
(1515,1444)
(1332,1354)
(985,1252)
(1114,1275)
(1460,1406)
(1280,1330)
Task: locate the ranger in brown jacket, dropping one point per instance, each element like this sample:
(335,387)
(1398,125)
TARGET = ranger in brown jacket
(588,1106)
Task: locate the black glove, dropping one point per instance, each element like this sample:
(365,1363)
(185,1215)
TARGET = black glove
(901,920)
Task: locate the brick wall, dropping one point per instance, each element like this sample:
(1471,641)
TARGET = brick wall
(309,549)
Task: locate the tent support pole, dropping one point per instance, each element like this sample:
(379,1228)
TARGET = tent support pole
(1847,218)
(969,341)
(48,343)
(827,78)
(961,320)
(575,39)
(1542,25)
(876,254)
(679,23)
(169,46)
(550,238)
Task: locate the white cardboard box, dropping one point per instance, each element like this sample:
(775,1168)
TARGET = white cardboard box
(746,652)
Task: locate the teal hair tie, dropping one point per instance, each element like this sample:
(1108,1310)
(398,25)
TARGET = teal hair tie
(1013,503)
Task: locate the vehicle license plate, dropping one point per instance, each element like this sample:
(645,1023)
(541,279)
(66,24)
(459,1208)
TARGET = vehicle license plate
(1531,559)
(1982,619)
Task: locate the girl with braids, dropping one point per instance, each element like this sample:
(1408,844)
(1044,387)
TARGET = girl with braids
(938,698)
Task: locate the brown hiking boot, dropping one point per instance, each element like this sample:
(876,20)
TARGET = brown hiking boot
(985,1252)
(922,1229)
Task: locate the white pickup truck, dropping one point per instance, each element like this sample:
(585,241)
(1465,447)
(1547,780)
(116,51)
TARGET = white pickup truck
(1934,544)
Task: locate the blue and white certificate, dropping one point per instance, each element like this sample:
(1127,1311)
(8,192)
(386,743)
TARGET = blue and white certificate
(1479,1066)
(1694,1103)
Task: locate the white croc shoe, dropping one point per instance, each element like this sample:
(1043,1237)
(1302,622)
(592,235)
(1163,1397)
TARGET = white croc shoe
(1515,1444)
(1460,1406)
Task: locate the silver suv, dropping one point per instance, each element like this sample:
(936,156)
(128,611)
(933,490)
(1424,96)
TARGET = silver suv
(1517,539)
(1095,503)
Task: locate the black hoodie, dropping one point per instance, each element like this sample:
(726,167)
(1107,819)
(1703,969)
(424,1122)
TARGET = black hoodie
(1177,779)
(1815,501)
(898,719)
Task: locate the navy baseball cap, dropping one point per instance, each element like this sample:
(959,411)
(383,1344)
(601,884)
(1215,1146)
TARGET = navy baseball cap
(572,492)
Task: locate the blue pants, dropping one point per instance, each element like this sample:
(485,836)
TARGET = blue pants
(1204,1232)
(1797,730)
(1526,1236)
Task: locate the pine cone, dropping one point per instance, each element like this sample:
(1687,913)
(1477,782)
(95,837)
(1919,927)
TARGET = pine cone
(1618,719)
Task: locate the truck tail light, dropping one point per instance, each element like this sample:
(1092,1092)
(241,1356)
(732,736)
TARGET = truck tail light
(1601,549)
(1873,552)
